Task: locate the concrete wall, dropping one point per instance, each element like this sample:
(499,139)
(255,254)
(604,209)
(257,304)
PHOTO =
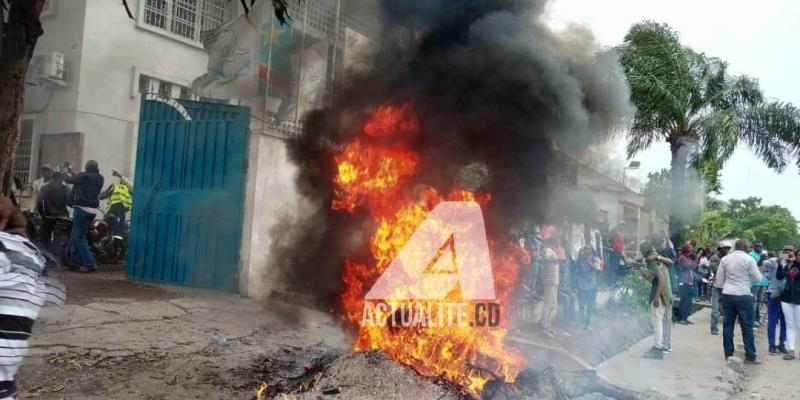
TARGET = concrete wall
(270,196)
(116,52)
(106,52)
(619,202)
(52,108)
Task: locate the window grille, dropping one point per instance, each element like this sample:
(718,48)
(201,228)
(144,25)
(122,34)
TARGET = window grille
(22,157)
(185,18)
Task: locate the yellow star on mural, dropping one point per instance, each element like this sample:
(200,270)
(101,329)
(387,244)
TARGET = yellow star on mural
(273,34)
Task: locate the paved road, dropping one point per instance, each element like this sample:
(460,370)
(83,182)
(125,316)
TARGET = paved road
(775,379)
(696,369)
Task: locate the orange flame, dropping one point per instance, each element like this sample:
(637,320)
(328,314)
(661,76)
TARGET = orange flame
(261,393)
(374,173)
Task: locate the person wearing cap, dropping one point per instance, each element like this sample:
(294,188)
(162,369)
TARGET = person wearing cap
(735,272)
(722,250)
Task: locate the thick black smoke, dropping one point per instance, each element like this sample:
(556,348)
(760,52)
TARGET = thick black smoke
(492,86)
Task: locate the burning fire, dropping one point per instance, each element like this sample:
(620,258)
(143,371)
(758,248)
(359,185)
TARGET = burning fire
(261,393)
(375,172)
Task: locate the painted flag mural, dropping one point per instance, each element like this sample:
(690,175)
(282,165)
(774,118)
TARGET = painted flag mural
(359,51)
(275,64)
(313,69)
(270,60)
(233,60)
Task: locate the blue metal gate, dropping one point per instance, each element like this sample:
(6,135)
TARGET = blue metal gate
(186,221)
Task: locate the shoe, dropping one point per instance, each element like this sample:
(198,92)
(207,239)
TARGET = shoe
(782,348)
(88,270)
(789,356)
(773,349)
(683,322)
(667,350)
(752,362)
(689,322)
(756,324)
(715,333)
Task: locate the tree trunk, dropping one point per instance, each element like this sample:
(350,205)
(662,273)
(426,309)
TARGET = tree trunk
(678,194)
(19,36)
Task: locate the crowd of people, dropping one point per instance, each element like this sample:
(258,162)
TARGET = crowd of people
(740,284)
(59,192)
(745,284)
(569,264)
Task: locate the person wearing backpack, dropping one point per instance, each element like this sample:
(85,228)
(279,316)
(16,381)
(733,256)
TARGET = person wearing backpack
(790,302)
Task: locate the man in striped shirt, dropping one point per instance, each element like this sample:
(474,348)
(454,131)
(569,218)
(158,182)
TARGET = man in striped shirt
(24,290)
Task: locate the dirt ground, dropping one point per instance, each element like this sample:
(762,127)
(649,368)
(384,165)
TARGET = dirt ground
(116,339)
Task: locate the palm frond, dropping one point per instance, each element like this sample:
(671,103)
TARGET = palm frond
(639,141)
(655,49)
(281,11)
(658,71)
(772,130)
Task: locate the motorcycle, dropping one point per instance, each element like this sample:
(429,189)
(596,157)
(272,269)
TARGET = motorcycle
(108,239)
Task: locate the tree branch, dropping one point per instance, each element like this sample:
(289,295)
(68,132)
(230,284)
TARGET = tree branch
(128,9)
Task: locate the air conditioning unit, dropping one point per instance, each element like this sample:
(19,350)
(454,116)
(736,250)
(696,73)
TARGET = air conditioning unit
(49,67)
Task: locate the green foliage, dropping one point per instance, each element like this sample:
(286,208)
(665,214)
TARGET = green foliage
(713,226)
(774,226)
(634,291)
(685,97)
(657,191)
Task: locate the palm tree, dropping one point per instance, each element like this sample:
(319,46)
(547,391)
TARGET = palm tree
(693,103)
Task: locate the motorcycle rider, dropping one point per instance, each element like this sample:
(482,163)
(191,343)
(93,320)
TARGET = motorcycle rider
(119,200)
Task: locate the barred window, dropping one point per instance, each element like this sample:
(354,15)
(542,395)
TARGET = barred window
(22,158)
(185,18)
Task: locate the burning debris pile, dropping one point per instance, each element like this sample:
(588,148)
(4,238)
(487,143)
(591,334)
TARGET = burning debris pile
(469,100)
(319,372)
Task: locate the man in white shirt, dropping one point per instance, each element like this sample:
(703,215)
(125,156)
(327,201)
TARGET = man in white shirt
(735,272)
(37,185)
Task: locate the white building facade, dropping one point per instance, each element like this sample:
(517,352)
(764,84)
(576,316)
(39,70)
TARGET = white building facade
(88,106)
(93,65)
